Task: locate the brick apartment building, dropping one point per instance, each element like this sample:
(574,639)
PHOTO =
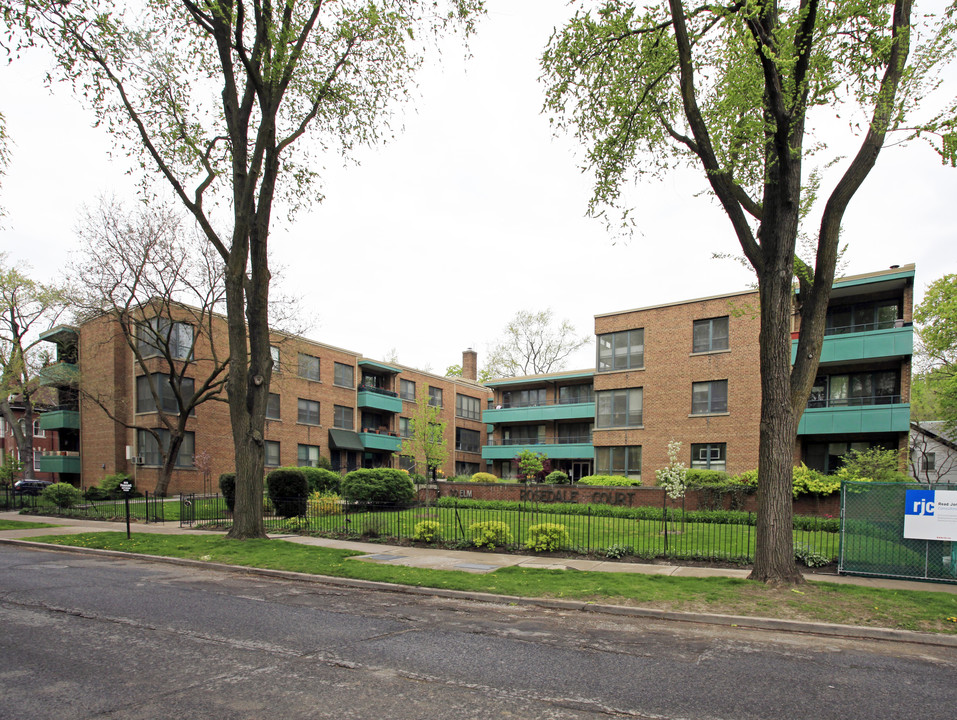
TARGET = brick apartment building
(324,402)
(44,440)
(689,371)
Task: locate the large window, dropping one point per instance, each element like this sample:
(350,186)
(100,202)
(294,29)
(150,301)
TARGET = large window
(619,408)
(861,317)
(571,394)
(344,375)
(435,396)
(160,336)
(710,335)
(308,411)
(343,417)
(709,397)
(853,389)
(467,440)
(468,407)
(708,456)
(624,461)
(167,398)
(407,389)
(577,432)
(405,427)
(523,398)
(307,456)
(152,451)
(308,367)
(828,457)
(272,406)
(623,350)
(465,469)
(272,453)
(523,435)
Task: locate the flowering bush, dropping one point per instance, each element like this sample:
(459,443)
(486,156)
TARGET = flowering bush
(490,534)
(672,478)
(427,531)
(546,537)
(320,504)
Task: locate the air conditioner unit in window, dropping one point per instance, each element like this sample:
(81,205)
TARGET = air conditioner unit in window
(138,460)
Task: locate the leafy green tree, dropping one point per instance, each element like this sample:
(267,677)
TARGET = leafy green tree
(530,464)
(220,99)
(735,90)
(426,443)
(936,386)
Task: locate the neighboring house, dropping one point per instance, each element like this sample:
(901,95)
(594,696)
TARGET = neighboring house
(933,453)
(44,440)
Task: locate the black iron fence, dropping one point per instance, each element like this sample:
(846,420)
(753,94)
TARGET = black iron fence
(148,508)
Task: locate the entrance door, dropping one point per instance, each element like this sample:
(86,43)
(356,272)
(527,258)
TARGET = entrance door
(580,468)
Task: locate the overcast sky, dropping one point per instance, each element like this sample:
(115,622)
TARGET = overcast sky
(475,211)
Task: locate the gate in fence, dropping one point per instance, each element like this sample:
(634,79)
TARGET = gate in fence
(187,510)
(877,539)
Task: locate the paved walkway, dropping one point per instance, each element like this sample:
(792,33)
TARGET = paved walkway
(439,559)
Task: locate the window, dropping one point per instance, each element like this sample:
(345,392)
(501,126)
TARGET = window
(523,398)
(523,435)
(308,412)
(344,375)
(160,336)
(167,398)
(407,390)
(37,454)
(710,335)
(928,463)
(38,432)
(272,406)
(272,453)
(828,457)
(407,463)
(274,354)
(862,317)
(467,440)
(467,407)
(619,408)
(579,432)
(308,367)
(625,461)
(623,350)
(571,394)
(855,389)
(435,396)
(708,456)
(152,452)
(307,456)
(343,417)
(709,397)
(466,469)
(405,427)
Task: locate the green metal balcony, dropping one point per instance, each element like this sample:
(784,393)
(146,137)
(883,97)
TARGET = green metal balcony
(61,374)
(871,345)
(60,463)
(60,420)
(378,441)
(856,419)
(373,400)
(540,413)
(554,450)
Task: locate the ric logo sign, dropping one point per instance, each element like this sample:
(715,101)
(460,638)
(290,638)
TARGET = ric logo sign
(930,514)
(920,502)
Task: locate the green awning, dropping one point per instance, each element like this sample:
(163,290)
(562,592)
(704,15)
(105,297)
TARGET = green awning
(344,439)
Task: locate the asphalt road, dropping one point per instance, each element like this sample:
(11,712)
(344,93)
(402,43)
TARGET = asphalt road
(87,637)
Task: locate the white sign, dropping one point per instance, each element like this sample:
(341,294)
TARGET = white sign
(126,486)
(930,515)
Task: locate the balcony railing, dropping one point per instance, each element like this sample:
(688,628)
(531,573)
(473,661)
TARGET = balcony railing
(380,391)
(855,401)
(548,440)
(864,327)
(468,447)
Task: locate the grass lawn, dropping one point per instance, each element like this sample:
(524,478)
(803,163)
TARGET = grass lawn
(19,525)
(926,611)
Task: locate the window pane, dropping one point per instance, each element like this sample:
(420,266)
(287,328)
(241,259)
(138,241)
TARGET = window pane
(308,456)
(308,412)
(700,397)
(308,367)
(272,406)
(344,375)
(719,396)
(719,333)
(343,417)
(407,389)
(605,354)
(272,453)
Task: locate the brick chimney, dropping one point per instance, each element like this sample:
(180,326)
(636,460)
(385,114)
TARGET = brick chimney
(470,364)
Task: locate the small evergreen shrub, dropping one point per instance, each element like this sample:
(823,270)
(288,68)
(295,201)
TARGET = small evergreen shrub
(63,495)
(320,504)
(557,477)
(609,481)
(227,486)
(491,533)
(546,537)
(483,477)
(288,491)
(378,485)
(427,531)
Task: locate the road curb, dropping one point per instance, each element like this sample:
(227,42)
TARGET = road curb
(853,632)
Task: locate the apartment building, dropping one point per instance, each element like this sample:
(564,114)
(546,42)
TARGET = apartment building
(324,401)
(689,371)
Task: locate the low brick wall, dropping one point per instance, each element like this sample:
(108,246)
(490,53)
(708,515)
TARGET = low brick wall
(829,506)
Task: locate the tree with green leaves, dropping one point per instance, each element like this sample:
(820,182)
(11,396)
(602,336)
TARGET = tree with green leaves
(936,319)
(229,102)
(426,441)
(738,91)
(532,344)
(27,309)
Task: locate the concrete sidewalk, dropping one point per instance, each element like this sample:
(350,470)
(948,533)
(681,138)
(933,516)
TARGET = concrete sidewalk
(440,559)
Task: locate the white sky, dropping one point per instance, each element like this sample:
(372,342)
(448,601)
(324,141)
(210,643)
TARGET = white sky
(475,211)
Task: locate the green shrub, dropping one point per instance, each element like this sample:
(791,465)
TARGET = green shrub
(288,491)
(63,495)
(111,485)
(320,480)
(609,481)
(227,486)
(748,477)
(95,494)
(697,477)
(320,504)
(427,531)
(805,480)
(618,551)
(378,485)
(483,477)
(546,537)
(491,533)
(556,477)
(875,465)
(805,554)
(325,463)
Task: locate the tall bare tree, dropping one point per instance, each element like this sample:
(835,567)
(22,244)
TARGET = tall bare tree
(160,286)
(216,96)
(533,343)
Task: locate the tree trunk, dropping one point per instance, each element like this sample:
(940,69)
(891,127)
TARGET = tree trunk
(169,464)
